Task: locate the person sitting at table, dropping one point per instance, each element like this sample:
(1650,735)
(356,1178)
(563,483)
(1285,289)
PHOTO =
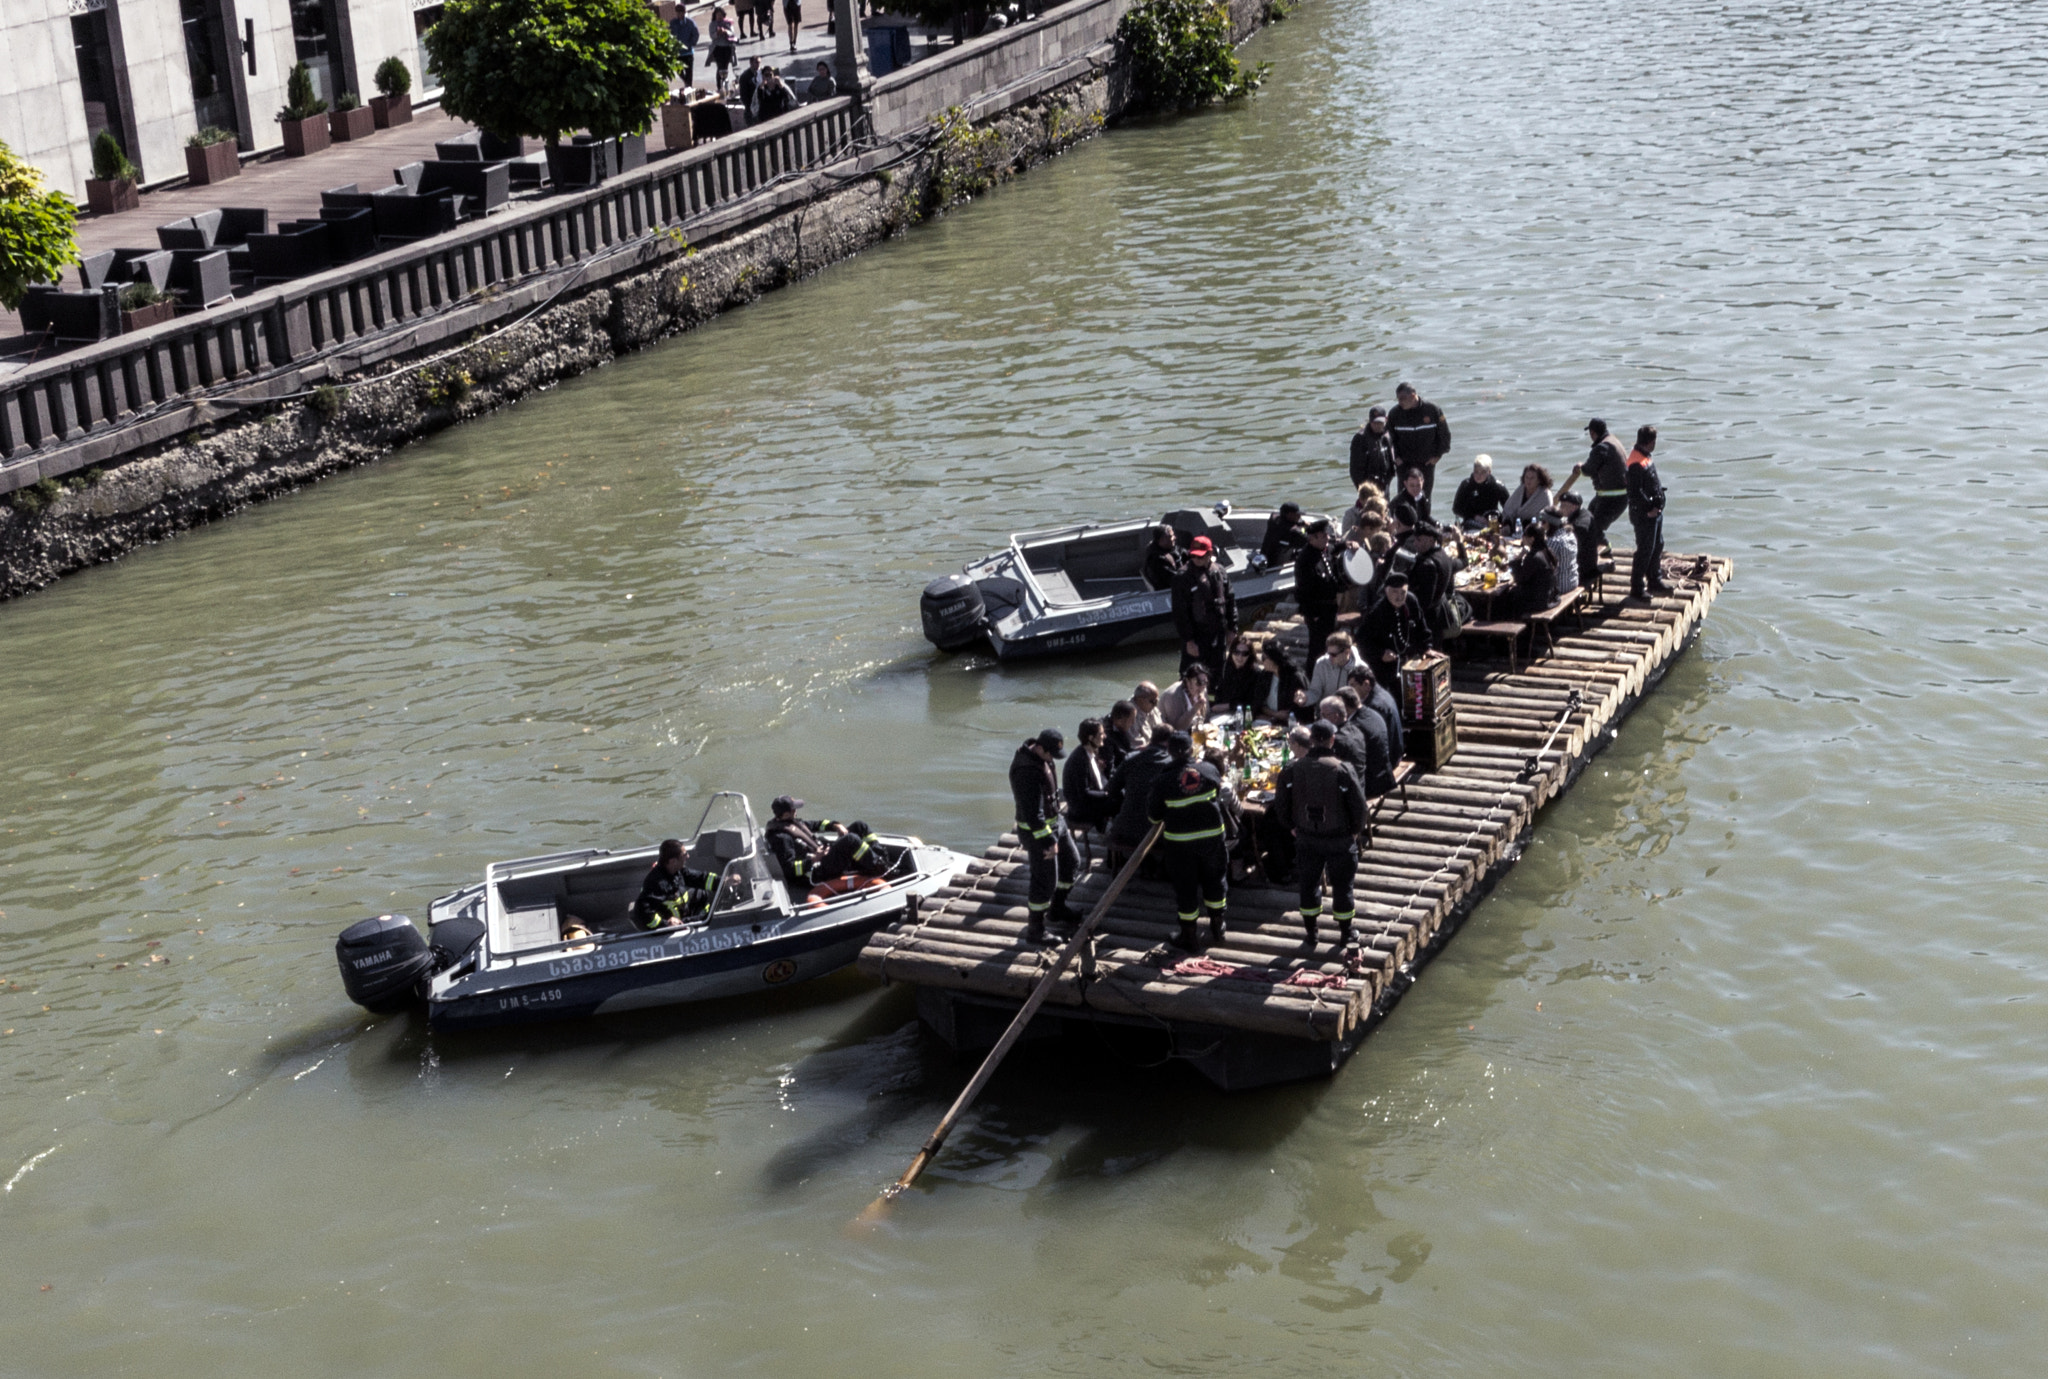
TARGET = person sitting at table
(1120,735)
(1572,509)
(1281,692)
(1394,630)
(1186,703)
(1535,575)
(1285,536)
(1238,687)
(1085,779)
(1374,696)
(1414,486)
(1331,668)
(1479,497)
(1530,500)
(1146,699)
(1564,550)
(1163,561)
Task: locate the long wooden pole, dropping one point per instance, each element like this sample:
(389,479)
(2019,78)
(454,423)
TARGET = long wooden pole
(1015,1032)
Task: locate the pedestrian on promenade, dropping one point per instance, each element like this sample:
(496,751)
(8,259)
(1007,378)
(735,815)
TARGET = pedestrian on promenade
(723,40)
(793,16)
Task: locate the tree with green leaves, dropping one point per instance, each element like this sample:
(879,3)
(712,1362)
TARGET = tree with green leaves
(548,67)
(38,230)
(1181,55)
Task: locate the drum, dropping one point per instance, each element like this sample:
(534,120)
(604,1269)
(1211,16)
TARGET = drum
(1359,567)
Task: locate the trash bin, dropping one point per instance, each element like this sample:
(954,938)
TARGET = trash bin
(888,47)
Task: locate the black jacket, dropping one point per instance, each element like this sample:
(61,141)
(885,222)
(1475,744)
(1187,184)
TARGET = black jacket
(1535,581)
(663,897)
(1432,579)
(1606,466)
(1372,459)
(1383,704)
(1189,802)
(1319,580)
(1239,685)
(1402,631)
(1131,788)
(852,852)
(1319,797)
(775,100)
(1589,549)
(1035,791)
(1162,566)
(1476,501)
(1116,745)
(1289,684)
(1645,490)
(795,843)
(1378,775)
(1204,608)
(1420,433)
(1281,543)
(1085,781)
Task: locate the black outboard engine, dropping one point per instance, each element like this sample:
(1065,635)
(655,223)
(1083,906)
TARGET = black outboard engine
(954,617)
(383,961)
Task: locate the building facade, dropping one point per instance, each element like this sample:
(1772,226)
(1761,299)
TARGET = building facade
(155,72)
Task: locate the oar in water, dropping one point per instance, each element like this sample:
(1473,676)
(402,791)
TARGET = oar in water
(995,1057)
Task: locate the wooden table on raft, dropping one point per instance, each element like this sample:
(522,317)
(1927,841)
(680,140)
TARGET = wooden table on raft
(1263,1007)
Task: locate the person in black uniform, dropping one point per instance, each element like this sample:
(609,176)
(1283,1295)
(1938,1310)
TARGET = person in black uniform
(1319,582)
(854,852)
(1393,631)
(672,890)
(1322,801)
(1285,536)
(794,842)
(1163,562)
(1432,579)
(1120,734)
(1421,434)
(1607,468)
(1535,575)
(1361,719)
(1480,496)
(1043,832)
(1204,609)
(1372,453)
(1573,509)
(1646,515)
(1085,781)
(1193,853)
(1365,754)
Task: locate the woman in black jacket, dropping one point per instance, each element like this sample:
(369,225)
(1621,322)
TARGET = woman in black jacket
(1280,686)
(1480,496)
(1238,687)
(1535,573)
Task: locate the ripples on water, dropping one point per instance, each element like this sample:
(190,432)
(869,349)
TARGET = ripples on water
(1735,1073)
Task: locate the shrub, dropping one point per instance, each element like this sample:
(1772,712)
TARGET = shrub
(38,230)
(37,496)
(209,136)
(524,69)
(347,100)
(1181,56)
(135,296)
(109,163)
(394,78)
(325,401)
(299,101)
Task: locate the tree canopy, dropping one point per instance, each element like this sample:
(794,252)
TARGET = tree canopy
(1181,55)
(547,67)
(38,230)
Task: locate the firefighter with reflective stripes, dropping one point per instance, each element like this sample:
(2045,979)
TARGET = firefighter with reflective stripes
(673,891)
(1035,790)
(1321,800)
(854,853)
(1191,844)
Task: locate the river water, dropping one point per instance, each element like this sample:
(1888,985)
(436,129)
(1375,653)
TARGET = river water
(1734,1074)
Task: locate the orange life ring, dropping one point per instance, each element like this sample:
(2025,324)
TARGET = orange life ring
(826,890)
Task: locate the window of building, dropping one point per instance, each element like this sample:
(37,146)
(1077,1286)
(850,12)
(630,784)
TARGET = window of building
(422,20)
(206,57)
(316,38)
(96,78)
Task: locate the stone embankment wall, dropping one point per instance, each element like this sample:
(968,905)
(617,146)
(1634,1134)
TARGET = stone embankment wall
(1031,93)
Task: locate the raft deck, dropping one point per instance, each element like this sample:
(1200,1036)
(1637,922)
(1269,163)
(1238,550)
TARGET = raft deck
(1261,1007)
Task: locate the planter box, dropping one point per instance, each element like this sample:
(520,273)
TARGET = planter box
(676,130)
(107,197)
(214,163)
(302,137)
(344,125)
(143,317)
(388,111)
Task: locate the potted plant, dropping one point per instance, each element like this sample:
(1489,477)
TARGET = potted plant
(303,118)
(210,156)
(111,187)
(143,306)
(394,106)
(350,119)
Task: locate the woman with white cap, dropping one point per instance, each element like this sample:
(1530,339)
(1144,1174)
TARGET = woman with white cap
(1479,497)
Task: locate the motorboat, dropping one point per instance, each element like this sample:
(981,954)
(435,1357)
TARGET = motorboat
(1082,588)
(552,937)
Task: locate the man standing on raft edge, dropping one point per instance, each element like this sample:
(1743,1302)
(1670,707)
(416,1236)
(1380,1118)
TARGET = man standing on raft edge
(1042,831)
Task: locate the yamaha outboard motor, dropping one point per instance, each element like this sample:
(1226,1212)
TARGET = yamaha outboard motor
(383,961)
(954,617)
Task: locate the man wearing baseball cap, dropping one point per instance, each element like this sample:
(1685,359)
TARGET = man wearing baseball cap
(1607,467)
(794,842)
(1042,830)
(1204,609)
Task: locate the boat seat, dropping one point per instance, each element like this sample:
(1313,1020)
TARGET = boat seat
(713,850)
(1057,586)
